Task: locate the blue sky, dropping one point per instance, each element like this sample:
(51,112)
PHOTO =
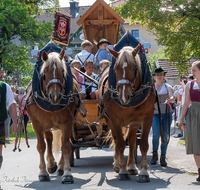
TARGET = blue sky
(65,3)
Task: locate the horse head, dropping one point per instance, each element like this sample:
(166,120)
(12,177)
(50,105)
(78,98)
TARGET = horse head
(53,75)
(128,72)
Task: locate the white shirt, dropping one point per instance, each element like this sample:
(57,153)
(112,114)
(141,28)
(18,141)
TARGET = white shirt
(182,93)
(164,89)
(83,56)
(88,82)
(195,86)
(176,93)
(9,96)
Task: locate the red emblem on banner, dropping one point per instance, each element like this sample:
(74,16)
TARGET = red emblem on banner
(62,27)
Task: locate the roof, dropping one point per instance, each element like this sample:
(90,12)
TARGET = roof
(92,8)
(80,10)
(172,72)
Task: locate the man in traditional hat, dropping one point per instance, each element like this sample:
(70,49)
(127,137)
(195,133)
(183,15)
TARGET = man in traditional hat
(102,54)
(6,101)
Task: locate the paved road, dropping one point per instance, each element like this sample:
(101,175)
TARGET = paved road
(94,170)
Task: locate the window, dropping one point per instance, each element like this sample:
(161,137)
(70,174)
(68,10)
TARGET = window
(135,33)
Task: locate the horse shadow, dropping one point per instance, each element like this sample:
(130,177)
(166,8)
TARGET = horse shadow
(95,171)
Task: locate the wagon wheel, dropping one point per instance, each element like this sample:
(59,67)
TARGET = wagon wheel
(135,152)
(77,153)
(71,158)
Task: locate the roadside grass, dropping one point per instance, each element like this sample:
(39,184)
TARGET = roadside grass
(30,132)
(181,142)
(192,173)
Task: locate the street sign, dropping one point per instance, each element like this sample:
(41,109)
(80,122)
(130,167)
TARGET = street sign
(68,51)
(34,52)
(146,45)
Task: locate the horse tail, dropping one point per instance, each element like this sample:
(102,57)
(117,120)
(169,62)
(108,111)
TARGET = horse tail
(57,141)
(109,136)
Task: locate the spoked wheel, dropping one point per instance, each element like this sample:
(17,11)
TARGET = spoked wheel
(71,158)
(77,153)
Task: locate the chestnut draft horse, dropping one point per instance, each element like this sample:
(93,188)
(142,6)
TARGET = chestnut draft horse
(120,117)
(53,72)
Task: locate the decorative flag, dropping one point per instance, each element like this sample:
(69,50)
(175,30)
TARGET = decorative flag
(62,26)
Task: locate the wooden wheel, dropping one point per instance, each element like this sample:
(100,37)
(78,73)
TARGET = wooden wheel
(77,153)
(71,159)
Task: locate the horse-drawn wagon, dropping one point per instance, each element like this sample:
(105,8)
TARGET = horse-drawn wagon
(126,103)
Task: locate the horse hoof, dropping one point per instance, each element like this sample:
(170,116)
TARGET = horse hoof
(52,170)
(143,178)
(133,172)
(116,169)
(44,178)
(124,177)
(60,172)
(67,179)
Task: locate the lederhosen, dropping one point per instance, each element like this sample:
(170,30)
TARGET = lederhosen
(2,124)
(162,98)
(88,88)
(83,63)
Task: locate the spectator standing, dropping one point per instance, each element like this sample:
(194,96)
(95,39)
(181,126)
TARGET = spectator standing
(20,100)
(165,96)
(6,101)
(192,126)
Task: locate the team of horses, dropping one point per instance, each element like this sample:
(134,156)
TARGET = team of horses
(126,119)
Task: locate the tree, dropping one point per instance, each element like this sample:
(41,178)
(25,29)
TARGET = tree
(16,22)
(159,55)
(176,23)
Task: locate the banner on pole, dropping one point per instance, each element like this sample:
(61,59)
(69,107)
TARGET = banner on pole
(61,30)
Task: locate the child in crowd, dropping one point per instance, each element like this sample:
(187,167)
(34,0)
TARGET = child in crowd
(101,54)
(85,54)
(78,65)
(103,64)
(88,90)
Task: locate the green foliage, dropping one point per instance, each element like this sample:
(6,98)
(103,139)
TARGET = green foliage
(26,80)
(175,23)
(17,25)
(159,55)
(30,132)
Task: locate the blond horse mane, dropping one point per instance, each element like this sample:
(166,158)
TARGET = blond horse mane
(53,57)
(126,56)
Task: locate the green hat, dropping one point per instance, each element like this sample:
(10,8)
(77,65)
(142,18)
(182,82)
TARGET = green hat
(102,41)
(159,70)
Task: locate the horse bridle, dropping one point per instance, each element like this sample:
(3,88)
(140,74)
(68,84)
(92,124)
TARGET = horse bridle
(124,81)
(53,81)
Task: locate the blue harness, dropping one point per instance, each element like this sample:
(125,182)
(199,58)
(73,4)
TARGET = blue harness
(129,40)
(36,87)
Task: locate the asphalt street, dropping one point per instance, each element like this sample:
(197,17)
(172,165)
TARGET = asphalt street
(93,171)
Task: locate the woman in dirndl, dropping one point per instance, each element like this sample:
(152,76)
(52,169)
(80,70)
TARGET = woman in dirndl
(192,126)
